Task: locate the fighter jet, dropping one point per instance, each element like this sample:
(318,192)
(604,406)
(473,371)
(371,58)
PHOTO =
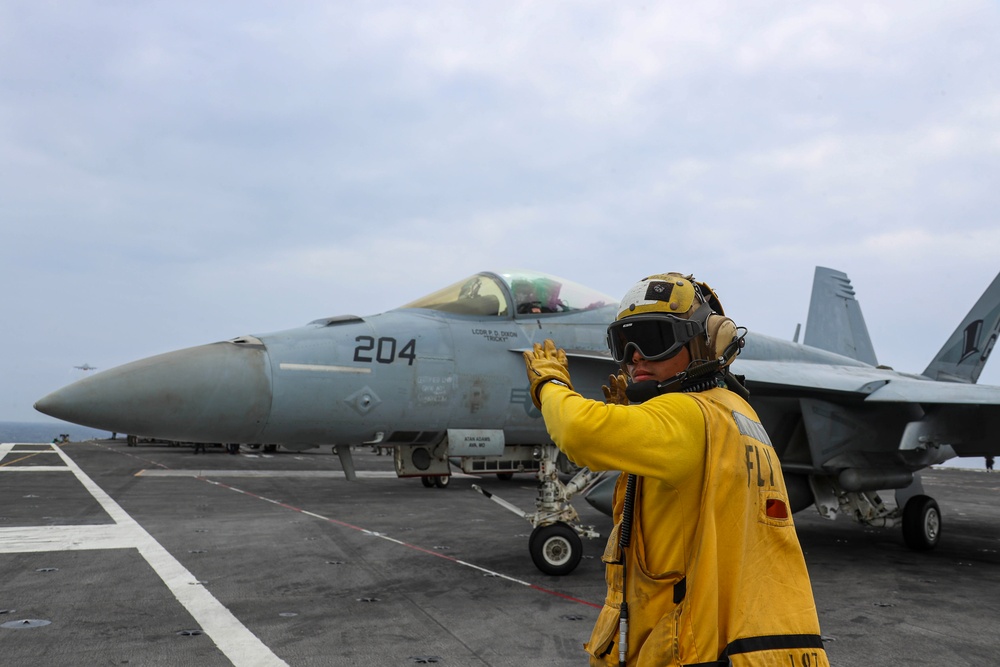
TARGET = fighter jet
(442,379)
(438,379)
(845,427)
(853,427)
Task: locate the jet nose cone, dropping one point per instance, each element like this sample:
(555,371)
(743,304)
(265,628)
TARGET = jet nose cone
(211,393)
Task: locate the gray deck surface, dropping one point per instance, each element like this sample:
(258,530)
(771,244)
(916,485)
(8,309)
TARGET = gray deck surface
(153,555)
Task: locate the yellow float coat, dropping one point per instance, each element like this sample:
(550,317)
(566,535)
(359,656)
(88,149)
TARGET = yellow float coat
(714,564)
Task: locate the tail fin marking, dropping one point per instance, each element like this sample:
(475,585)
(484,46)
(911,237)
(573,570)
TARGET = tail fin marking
(964,354)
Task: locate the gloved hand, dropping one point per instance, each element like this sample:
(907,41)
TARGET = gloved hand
(545,363)
(614,391)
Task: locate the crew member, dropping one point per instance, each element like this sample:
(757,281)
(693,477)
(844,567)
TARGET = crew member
(703,566)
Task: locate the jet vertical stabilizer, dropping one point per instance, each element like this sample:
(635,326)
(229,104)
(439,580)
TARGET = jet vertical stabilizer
(965,353)
(835,322)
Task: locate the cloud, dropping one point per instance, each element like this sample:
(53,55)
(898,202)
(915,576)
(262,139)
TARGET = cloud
(173,173)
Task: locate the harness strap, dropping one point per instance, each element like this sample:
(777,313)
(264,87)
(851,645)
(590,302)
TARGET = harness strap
(772,642)
(766,643)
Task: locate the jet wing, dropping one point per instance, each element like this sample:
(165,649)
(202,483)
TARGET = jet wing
(805,379)
(584,355)
(905,390)
(591,355)
(873,385)
(589,369)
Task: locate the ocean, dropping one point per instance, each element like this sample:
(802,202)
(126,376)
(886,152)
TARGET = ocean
(49,431)
(46,432)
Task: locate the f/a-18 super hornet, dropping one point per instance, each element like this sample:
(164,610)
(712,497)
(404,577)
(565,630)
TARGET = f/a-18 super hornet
(442,379)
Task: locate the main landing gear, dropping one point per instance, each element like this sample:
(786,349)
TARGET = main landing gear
(921,523)
(555,545)
(916,513)
(440,481)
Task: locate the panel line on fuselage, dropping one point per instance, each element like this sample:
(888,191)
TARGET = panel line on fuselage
(320,368)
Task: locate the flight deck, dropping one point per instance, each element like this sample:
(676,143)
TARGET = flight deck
(154,555)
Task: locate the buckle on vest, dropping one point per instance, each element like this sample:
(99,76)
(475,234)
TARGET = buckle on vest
(680,590)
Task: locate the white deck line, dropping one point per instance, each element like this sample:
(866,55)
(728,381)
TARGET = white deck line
(233,638)
(306,474)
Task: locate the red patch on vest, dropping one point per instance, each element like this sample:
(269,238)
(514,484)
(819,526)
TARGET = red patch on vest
(776,509)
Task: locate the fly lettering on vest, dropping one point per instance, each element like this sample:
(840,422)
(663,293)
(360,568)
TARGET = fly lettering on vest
(755,465)
(752,431)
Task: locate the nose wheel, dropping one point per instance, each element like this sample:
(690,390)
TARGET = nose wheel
(555,549)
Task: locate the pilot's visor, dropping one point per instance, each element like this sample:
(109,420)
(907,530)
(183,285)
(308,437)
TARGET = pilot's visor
(654,336)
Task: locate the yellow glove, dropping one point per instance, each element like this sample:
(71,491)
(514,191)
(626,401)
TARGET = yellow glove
(545,364)
(614,391)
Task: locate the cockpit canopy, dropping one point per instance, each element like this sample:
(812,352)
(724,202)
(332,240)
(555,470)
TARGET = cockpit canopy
(515,293)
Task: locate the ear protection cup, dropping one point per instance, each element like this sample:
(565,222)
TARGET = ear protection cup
(720,332)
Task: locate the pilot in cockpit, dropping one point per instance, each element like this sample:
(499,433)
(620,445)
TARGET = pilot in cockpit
(536,296)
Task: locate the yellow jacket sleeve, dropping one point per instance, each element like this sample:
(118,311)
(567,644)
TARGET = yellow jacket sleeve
(663,438)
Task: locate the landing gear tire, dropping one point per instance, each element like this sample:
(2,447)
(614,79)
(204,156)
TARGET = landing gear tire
(505,476)
(555,549)
(427,481)
(442,481)
(921,523)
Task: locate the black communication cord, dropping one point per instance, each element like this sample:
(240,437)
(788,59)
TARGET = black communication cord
(624,537)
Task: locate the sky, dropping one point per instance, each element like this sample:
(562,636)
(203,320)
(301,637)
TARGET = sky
(177,173)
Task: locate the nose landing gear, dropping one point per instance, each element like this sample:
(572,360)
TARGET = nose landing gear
(555,545)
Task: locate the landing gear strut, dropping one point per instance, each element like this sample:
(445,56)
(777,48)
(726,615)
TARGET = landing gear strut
(555,545)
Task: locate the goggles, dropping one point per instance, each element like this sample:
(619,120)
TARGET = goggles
(654,336)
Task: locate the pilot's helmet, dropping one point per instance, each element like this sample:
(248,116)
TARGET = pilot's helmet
(662,313)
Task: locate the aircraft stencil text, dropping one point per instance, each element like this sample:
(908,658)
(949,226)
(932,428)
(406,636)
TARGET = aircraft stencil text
(385,350)
(434,389)
(495,335)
